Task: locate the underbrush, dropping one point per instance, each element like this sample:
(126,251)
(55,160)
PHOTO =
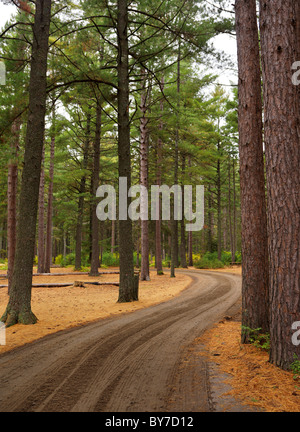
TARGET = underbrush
(210,260)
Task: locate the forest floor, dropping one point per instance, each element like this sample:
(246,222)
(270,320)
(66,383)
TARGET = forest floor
(238,372)
(249,377)
(62,308)
(124,363)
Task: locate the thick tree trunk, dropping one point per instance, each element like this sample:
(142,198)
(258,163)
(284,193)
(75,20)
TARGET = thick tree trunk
(82,191)
(253,204)
(12,200)
(128,290)
(95,261)
(282,107)
(19,305)
(144,134)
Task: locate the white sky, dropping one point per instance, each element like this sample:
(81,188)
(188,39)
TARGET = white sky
(224,43)
(5,13)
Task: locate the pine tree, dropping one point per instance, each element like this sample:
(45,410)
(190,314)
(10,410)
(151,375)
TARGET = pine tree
(281,112)
(19,306)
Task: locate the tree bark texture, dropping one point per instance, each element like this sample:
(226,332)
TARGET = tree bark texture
(82,190)
(95,261)
(281,102)
(158,223)
(48,245)
(183,262)
(41,219)
(128,285)
(144,134)
(253,204)
(19,305)
(12,200)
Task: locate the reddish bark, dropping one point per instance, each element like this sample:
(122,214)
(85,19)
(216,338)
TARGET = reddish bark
(48,245)
(19,306)
(12,200)
(253,205)
(282,130)
(145,275)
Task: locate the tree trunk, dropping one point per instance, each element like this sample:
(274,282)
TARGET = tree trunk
(19,305)
(219,217)
(95,262)
(234,213)
(113,236)
(230,207)
(253,204)
(82,191)
(12,200)
(225,228)
(281,98)
(174,234)
(128,288)
(173,242)
(144,133)
(158,224)
(190,248)
(137,263)
(48,246)
(183,262)
(41,220)
(210,221)
(190,234)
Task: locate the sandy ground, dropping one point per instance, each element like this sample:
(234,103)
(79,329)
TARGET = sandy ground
(236,270)
(62,308)
(125,364)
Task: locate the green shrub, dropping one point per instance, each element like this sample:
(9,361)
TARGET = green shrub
(226,258)
(166,262)
(110,260)
(69,260)
(257,338)
(205,263)
(209,261)
(238,257)
(58,260)
(295,367)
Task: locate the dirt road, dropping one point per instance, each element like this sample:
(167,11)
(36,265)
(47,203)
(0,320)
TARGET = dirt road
(124,364)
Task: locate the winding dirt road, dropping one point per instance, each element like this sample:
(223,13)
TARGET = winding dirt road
(123,364)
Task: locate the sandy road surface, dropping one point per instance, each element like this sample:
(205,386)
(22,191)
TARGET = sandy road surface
(123,364)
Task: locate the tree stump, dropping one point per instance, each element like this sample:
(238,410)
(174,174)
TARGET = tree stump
(78,284)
